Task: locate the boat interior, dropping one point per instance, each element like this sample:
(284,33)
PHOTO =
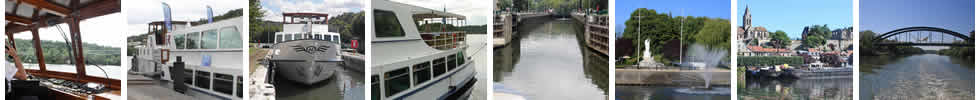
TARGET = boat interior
(27,16)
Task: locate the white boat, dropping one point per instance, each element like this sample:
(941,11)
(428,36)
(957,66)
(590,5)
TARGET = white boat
(305,52)
(211,53)
(408,64)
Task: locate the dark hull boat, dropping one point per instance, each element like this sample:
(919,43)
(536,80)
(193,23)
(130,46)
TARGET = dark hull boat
(306,61)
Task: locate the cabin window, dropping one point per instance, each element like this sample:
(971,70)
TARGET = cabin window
(336,38)
(188,77)
(440,66)
(224,83)
(193,39)
(209,39)
(203,80)
(293,37)
(179,41)
(375,88)
(230,38)
(279,38)
(451,62)
(397,81)
(422,72)
(386,24)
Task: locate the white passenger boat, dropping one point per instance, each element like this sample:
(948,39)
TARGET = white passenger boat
(410,64)
(305,52)
(211,54)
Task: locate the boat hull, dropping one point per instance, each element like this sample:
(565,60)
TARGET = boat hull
(458,85)
(306,61)
(306,72)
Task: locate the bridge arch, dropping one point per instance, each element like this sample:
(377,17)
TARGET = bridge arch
(879,38)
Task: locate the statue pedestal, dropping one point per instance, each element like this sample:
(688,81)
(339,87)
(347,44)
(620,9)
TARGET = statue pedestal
(649,62)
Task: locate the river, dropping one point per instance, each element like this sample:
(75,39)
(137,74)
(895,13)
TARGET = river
(113,71)
(919,76)
(549,61)
(340,86)
(477,48)
(826,88)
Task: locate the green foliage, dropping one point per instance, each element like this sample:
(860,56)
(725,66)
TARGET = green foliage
(866,44)
(661,27)
(779,39)
(350,25)
(769,60)
(817,35)
(58,52)
(474,29)
(814,41)
(715,34)
(962,52)
(255,13)
(437,27)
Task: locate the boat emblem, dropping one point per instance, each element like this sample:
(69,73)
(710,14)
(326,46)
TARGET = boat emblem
(311,49)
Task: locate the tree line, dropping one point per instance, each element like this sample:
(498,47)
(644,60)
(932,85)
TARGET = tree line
(59,52)
(663,29)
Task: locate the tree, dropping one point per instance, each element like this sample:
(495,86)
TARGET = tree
(715,33)
(814,41)
(779,39)
(255,13)
(817,36)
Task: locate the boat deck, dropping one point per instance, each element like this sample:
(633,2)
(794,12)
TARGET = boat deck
(152,89)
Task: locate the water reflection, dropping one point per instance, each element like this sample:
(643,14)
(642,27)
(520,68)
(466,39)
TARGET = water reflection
(626,92)
(341,84)
(824,88)
(922,76)
(541,63)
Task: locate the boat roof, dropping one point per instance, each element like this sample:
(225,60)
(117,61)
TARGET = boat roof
(21,15)
(418,12)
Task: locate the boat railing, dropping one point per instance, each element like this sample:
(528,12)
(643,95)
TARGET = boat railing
(444,40)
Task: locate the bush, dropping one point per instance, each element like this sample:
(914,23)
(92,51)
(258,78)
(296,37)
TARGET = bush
(769,60)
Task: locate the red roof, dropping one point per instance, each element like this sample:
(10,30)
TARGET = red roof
(763,49)
(813,50)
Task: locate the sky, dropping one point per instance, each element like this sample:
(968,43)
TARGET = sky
(102,30)
(333,8)
(881,16)
(476,11)
(709,8)
(792,15)
(141,12)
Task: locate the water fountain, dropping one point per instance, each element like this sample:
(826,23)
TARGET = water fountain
(704,59)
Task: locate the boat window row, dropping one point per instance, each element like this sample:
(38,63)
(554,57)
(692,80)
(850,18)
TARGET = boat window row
(402,79)
(289,37)
(222,38)
(220,83)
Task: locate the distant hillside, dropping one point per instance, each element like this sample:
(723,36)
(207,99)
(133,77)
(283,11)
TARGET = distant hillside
(58,52)
(474,29)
